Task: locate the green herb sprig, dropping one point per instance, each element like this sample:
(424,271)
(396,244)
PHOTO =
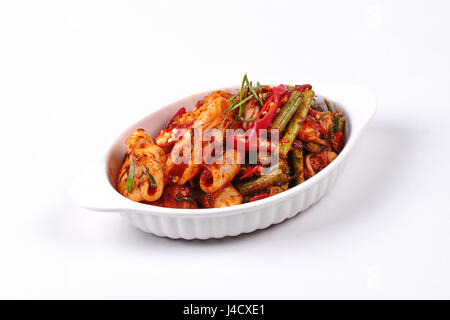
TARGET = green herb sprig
(336,122)
(150,178)
(208,197)
(130,175)
(239,99)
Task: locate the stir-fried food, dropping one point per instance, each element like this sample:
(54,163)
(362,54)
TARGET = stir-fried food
(233,147)
(141,177)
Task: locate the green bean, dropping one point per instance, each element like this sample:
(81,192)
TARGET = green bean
(341,125)
(338,123)
(274,177)
(283,165)
(297,160)
(296,123)
(287,111)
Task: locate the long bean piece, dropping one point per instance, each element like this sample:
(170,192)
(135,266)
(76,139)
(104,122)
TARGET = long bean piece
(274,177)
(339,123)
(287,111)
(297,161)
(296,123)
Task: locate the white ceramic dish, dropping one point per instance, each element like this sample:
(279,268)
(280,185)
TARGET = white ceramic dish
(95,188)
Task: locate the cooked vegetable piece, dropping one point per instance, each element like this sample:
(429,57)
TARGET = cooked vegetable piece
(259,197)
(311,136)
(287,111)
(274,177)
(297,161)
(302,87)
(180,111)
(296,123)
(283,165)
(339,123)
(263,120)
(250,171)
(337,141)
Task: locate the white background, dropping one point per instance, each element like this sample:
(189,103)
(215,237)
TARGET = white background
(73,74)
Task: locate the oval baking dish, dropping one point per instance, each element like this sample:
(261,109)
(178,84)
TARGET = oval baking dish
(95,188)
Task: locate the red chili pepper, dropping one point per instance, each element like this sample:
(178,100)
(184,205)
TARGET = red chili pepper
(250,172)
(169,130)
(303,87)
(180,112)
(338,141)
(259,197)
(177,114)
(272,104)
(251,141)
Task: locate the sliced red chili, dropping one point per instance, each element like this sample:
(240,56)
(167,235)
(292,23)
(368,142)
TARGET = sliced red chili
(263,120)
(169,131)
(338,141)
(250,172)
(272,105)
(259,197)
(180,112)
(303,87)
